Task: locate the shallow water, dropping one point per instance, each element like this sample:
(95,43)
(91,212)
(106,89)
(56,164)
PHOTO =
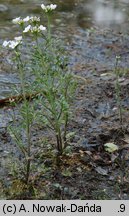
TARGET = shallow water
(79,13)
(72,21)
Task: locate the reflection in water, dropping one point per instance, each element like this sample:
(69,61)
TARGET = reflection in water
(124,1)
(82,13)
(108,15)
(107,12)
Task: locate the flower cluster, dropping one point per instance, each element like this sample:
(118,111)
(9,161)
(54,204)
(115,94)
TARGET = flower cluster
(32,19)
(48,8)
(34,29)
(18,20)
(33,26)
(13,43)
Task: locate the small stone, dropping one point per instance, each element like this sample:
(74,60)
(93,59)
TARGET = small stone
(6,152)
(3,8)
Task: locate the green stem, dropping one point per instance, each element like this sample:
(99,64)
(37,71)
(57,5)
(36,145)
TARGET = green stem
(52,101)
(20,67)
(49,28)
(59,141)
(65,130)
(28,141)
(22,78)
(66,115)
(118,91)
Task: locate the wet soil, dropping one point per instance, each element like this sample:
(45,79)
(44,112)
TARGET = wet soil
(86,170)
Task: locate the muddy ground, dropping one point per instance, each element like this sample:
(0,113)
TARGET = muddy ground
(86,170)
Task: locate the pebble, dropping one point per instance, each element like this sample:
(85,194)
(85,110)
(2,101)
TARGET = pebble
(3,8)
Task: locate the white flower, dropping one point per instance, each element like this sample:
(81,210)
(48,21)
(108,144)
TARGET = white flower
(34,29)
(42,28)
(27,29)
(38,29)
(31,19)
(5,43)
(117,57)
(48,8)
(18,38)
(35,19)
(26,19)
(18,20)
(43,6)
(53,6)
(14,43)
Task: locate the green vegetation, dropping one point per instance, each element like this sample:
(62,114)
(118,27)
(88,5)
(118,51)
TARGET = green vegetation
(50,81)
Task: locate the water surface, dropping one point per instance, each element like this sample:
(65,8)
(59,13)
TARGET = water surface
(73,20)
